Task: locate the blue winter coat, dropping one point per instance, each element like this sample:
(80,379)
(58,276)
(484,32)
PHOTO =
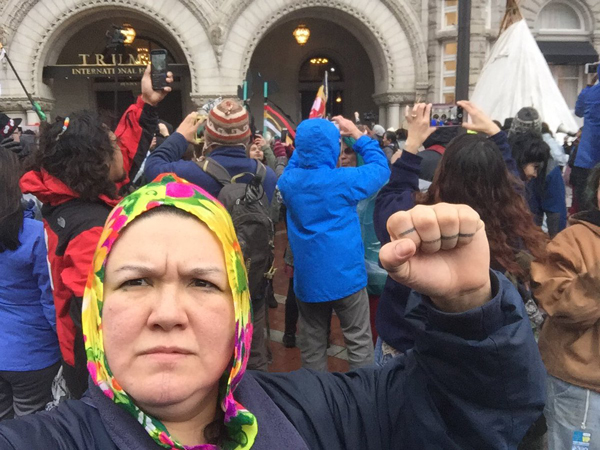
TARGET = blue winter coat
(28,338)
(323,226)
(588,107)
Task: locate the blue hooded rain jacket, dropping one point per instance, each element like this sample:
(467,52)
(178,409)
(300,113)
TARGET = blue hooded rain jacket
(323,226)
(588,107)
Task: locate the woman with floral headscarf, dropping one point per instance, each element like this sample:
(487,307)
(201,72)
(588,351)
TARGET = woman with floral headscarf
(167,327)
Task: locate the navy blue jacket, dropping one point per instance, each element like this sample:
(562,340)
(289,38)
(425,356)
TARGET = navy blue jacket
(321,200)
(474,380)
(167,158)
(399,195)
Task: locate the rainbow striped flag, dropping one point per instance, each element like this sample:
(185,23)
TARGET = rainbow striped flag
(276,120)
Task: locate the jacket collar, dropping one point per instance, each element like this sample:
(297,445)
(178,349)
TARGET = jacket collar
(589,218)
(232,152)
(274,429)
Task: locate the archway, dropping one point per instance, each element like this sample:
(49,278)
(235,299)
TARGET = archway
(295,72)
(89,74)
(388,31)
(55,27)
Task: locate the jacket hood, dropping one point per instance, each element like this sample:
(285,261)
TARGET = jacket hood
(50,190)
(169,190)
(46,188)
(317,144)
(590,219)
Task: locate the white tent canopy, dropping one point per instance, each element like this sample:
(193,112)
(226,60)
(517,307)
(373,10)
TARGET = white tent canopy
(516,75)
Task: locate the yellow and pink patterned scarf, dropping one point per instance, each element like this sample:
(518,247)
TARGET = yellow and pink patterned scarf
(169,190)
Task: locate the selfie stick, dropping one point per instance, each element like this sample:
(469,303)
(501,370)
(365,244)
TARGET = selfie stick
(35,105)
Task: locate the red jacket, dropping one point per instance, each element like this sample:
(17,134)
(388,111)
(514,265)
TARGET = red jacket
(73,226)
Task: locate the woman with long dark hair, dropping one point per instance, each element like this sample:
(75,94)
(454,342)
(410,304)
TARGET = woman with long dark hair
(475,170)
(30,355)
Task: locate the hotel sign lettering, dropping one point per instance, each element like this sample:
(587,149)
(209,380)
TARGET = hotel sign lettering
(107,66)
(88,71)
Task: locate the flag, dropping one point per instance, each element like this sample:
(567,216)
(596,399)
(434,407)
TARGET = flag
(320,104)
(276,120)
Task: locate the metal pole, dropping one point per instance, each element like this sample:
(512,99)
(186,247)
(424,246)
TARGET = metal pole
(36,107)
(464,50)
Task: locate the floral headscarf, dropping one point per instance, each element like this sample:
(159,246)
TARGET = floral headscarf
(169,190)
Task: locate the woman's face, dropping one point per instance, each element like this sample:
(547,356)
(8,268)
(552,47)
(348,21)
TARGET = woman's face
(531,170)
(168,317)
(347,157)
(256,153)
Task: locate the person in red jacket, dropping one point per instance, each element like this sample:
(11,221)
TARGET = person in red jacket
(78,172)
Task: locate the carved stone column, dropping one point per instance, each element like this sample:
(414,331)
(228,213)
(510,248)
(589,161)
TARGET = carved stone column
(393,103)
(20,107)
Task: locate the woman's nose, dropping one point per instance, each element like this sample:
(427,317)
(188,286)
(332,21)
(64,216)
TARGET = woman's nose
(168,309)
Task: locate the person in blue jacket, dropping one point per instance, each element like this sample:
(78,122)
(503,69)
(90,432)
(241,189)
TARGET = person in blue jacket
(226,135)
(325,236)
(546,193)
(29,351)
(588,152)
(167,338)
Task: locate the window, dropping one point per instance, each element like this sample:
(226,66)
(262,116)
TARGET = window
(559,16)
(570,82)
(313,70)
(449,14)
(449,49)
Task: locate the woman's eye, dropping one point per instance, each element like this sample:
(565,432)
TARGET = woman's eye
(135,282)
(204,284)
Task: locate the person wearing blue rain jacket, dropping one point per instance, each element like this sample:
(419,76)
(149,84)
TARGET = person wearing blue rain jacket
(588,152)
(325,236)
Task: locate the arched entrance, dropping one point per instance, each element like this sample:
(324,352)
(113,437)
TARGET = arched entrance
(388,31)
(40,34)
(294,73)
(90,73)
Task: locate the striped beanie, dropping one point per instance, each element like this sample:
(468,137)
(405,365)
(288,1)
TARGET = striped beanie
(527,119)
(227,124)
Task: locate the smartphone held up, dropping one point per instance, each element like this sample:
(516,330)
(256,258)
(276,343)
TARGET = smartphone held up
(158,69)
(446,115)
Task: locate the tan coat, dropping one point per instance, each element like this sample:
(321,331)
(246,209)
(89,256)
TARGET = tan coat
(568,288)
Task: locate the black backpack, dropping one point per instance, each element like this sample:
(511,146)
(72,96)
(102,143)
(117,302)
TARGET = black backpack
(250,211)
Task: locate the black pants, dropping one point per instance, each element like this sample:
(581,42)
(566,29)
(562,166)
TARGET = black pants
(23,393)
(579,177)
(291,310)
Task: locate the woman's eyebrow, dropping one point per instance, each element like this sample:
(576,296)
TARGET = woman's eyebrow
(203,271)
(135,268)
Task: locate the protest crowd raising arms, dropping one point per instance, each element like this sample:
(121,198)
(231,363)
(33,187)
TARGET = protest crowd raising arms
(246,276)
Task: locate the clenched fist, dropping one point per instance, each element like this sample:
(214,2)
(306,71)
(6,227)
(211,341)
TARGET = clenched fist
(440,251)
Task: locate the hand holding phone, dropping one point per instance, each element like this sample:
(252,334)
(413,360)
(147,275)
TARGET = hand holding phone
(149,95)
(158,64)
(479,121)
(419,126)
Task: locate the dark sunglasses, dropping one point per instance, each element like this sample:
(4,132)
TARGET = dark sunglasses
(348,151)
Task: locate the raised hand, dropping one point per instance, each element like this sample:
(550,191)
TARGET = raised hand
(347,127)
(478,120)
(419,126)
(189,127)
(440,251)
(151,96)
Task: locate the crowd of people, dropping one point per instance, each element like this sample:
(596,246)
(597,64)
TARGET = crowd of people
(136,275)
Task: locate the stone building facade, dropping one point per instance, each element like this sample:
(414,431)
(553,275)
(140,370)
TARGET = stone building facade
(391,52)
